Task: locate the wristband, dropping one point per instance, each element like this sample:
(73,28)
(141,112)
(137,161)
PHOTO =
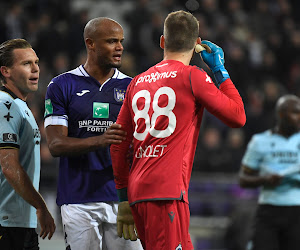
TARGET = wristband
(122,194)
(221,74)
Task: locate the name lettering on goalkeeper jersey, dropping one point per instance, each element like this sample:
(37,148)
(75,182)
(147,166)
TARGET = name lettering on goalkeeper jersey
(150,151)
(153,77)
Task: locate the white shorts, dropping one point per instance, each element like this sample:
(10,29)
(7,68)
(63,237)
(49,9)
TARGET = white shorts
(92,226)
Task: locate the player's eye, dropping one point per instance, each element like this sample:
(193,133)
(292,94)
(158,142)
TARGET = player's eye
(111,41)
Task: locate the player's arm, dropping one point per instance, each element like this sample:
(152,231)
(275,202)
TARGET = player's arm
(119,152)
(60,144)
(20,181)
(119,157)
(249,178)
(125,223)
(226,102)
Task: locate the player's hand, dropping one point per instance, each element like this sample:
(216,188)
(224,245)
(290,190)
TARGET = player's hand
(113,135)
(46,222)
(215,61)
(125,222)
(272,180)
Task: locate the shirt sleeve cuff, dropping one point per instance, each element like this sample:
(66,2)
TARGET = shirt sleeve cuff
(122,194)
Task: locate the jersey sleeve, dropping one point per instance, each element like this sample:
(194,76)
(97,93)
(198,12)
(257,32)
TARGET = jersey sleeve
(253,156)
(119,152)
(55,100)
(224,103)
(10,124)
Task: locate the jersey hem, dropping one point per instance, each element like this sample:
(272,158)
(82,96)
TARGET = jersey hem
(85,202)
(157,199)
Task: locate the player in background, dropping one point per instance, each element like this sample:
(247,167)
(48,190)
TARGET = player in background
(21,205)
(272,162)
(81,107)
(162,114)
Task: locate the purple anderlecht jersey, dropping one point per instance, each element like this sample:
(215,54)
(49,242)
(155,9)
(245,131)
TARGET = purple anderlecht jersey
(88,109)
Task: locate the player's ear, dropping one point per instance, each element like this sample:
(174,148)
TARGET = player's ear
(162,41)
(198,40)
(89,43)
(5,71)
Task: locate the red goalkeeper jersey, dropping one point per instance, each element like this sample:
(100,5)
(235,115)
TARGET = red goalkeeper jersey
(162,114)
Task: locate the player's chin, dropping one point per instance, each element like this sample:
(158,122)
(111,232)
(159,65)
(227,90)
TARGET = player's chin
(116,62)
(33,87)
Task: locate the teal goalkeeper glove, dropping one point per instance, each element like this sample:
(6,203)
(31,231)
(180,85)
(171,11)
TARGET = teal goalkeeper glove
(215,61)
(125,223)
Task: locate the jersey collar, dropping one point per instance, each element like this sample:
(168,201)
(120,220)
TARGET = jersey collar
(85,73)
(4,89)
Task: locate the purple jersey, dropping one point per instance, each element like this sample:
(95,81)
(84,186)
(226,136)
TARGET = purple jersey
(87,109)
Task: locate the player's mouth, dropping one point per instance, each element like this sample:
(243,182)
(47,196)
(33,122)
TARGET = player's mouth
(117,57)
(34,80)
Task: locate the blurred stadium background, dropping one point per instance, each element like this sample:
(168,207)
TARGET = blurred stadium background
(261,41)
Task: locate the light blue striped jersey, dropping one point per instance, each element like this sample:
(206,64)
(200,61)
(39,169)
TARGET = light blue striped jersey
(18,130)
(269,153)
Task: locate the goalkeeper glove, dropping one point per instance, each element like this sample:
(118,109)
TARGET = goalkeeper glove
(215,61)
(125,222)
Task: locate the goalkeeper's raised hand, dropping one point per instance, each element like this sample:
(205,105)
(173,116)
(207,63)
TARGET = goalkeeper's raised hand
(125,222)
(215,61)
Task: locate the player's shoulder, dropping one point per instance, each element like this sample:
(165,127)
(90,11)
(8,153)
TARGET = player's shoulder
(121,76)
(265,134)
(263,137)
(7,101)
(120,79)
(197,70)
(296,134)
(69,76)
(5,96)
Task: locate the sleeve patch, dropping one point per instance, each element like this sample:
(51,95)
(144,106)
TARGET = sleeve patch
(48,107)
(9,137)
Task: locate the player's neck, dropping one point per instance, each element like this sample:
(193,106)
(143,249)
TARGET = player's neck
(16,91)
(285,132)
(100,74)
(184,57)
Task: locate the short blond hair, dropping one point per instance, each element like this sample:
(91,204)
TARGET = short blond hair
(181,30)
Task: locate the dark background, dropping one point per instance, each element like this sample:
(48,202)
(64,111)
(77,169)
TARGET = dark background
(261,41)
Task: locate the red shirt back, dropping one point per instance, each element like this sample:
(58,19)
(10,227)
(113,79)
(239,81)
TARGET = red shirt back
(162,114)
